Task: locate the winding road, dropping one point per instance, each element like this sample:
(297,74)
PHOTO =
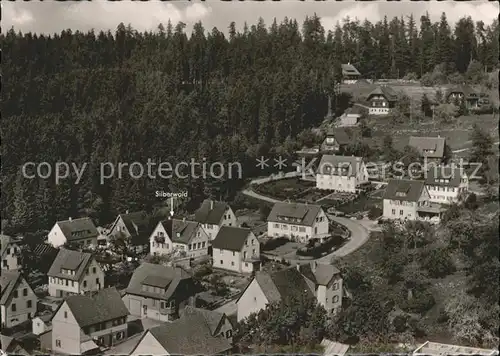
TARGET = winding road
(360,229)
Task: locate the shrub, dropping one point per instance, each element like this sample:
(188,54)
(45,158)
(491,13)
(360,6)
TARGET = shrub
(374,213)
(317,250)
(421,302)
(274,243)
(438,263)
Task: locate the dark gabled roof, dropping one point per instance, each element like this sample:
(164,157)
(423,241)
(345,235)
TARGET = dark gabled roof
(304,213)
(210,212)
(180,231)
(76,229)
(231,238)
(97,307)
(191,334)
(341,136)
(6,241)
(404,189)
(8,281)
(282,284)
(213,318)
(349,69)
(157,281)
(444,176)
(340,165)
(320,274)
(428,143)
(148,271)
(73,260)
(138,224)
(387,92)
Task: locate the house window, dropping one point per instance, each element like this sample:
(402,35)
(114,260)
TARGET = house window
(401,212)
(232,263)
(335,298)
(65,315)
(94,270)
(13,307)
(234,253)
(119,335)
(84,284)
(67,282)
(28,304)
(203,244)
(335,286)
(221,262)
(229,333)
(15,294)
(97,280)
(246,264)
(8,251)
(58,343)
(25,292)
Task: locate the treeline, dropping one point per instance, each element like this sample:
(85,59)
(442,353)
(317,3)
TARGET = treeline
(129,96)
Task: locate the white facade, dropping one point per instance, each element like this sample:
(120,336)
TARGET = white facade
(238,261)
(301,233)
(448,195)
(91,280)
(148,345)
(404,210)
(251,301)
(10,260)
(330,296)
(349,119)
(38,326)
(330,180)
(197,247)
(20,306)
(56,237)
(378,111)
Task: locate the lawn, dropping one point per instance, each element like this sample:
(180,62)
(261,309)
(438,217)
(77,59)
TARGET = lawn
(360,204)
(290,188)
(456,133)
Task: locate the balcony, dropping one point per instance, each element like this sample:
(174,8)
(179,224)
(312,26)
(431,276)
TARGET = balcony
(167,310)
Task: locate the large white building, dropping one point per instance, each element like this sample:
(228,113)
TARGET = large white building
(81,232)
(212,215)
(341,173)
(409,200)
(300,222)
(321,281)
(445,184)
(74,272)
(236,249)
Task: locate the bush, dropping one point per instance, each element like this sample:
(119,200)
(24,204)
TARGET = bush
(274,243)
(438,263)
(318,250)
(374,213)
(421,302)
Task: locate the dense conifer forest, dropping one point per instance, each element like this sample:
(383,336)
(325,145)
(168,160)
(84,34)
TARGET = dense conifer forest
(165,95)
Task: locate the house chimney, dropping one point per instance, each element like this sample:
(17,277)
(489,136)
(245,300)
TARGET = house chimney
(69,218)
(298,267)
(126,211)
(184,219)
(192,301)
(211,204)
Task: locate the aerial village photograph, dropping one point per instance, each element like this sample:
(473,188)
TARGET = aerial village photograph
(248,177)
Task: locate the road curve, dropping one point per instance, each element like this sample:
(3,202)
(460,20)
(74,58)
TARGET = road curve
(359,231)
